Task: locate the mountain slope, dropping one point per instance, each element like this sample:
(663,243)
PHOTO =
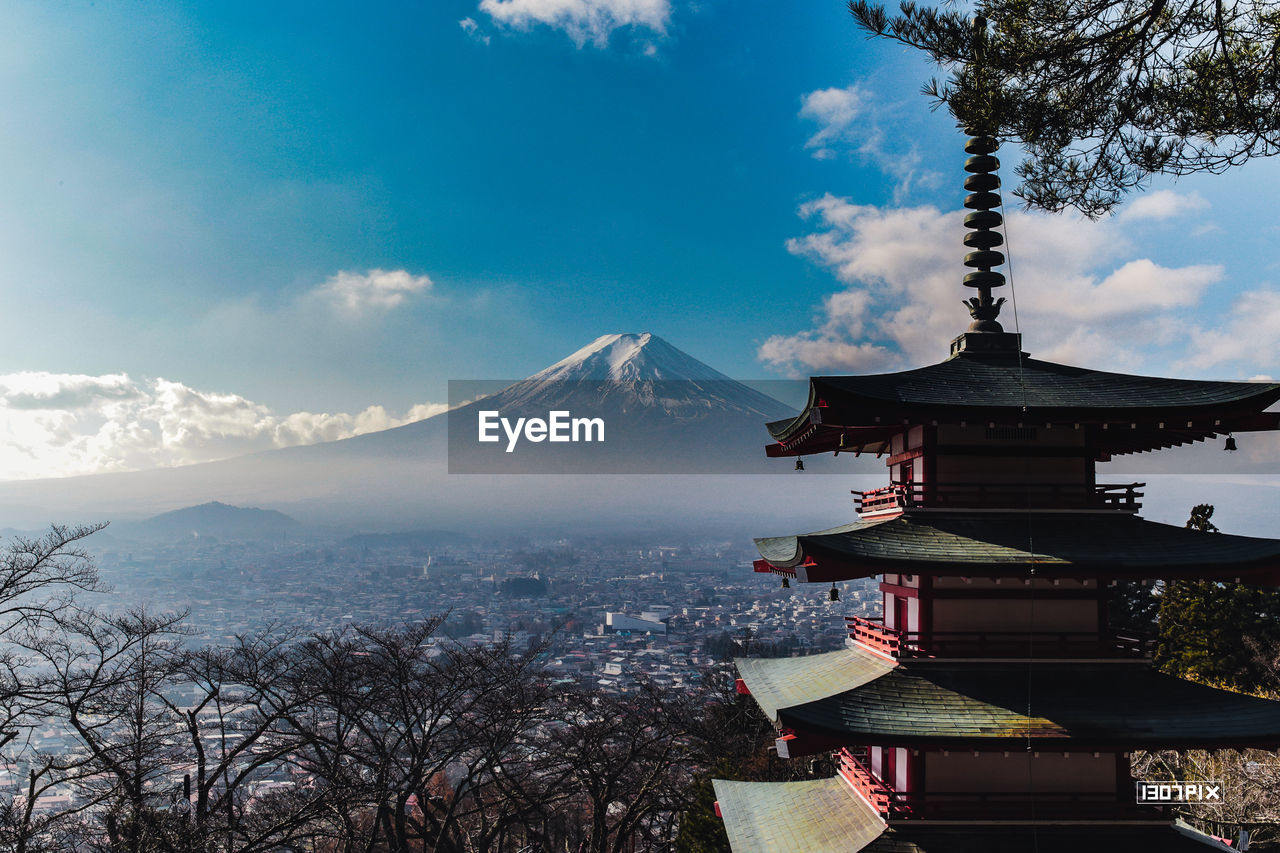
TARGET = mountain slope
(639,372)
(627,358)
(666,413)
(659,401)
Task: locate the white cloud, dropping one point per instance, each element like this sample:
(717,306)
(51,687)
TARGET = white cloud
(1137,287)
(896,262)
(57,424)
(356,293)
(471,28)
(1161,205)
(835,111)
(1250,332)
(849,121)
(1081,295)
(822,352)
(584,21)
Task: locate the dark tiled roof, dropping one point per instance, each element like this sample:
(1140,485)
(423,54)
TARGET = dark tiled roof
(1044,839)
(814,816)
(1055,543)
(1118,413)
(1000,705)
(990,384)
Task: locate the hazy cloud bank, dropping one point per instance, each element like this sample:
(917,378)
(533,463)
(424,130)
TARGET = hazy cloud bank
(59,424)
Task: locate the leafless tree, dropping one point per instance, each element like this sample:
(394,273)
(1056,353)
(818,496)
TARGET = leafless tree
(238,742)
(1251,788)
(493,789)
(370,740)
(106,675)
(628,762)
(40,579)
(418,742)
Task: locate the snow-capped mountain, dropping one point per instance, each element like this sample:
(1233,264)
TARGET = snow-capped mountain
(625,373)
(627,358)
(665,413)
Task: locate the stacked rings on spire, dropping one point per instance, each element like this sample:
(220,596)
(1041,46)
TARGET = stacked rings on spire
(982,185)
(981,200)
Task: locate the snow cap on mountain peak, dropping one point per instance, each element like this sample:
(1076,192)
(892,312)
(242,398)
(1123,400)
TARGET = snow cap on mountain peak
(629,357)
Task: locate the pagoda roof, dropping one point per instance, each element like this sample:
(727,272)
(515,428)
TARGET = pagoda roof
(825,816)
(999,387)
(813,816)
(1055,705)
(1105,543)
(782,682)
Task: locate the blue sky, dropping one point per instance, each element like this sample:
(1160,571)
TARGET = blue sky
(231,226)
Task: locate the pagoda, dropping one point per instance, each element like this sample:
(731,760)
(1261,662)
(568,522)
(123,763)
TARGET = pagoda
(992,707)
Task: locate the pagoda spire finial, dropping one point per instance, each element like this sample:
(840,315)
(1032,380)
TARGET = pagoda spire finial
(982,198)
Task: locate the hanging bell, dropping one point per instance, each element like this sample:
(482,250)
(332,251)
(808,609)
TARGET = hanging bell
(786,583)
(799,464)
(833,594)
(1230,446)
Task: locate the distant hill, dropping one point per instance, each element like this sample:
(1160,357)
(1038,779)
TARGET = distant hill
(214,519)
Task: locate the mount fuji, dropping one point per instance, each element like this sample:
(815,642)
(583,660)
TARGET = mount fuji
(661,411)
(626,358)
(632,369)
(665,413)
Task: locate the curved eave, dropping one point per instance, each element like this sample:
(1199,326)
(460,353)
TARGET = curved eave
(788,552)
(1073,706)
(784,429)
(776,683)
(812,816)
(999,544)
(1120,437)
(827,439)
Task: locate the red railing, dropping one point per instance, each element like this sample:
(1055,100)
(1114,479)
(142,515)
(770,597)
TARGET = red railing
(1117,496)
(873,634)
(1084,806)
(879,500)
(901,806)
(862,780)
